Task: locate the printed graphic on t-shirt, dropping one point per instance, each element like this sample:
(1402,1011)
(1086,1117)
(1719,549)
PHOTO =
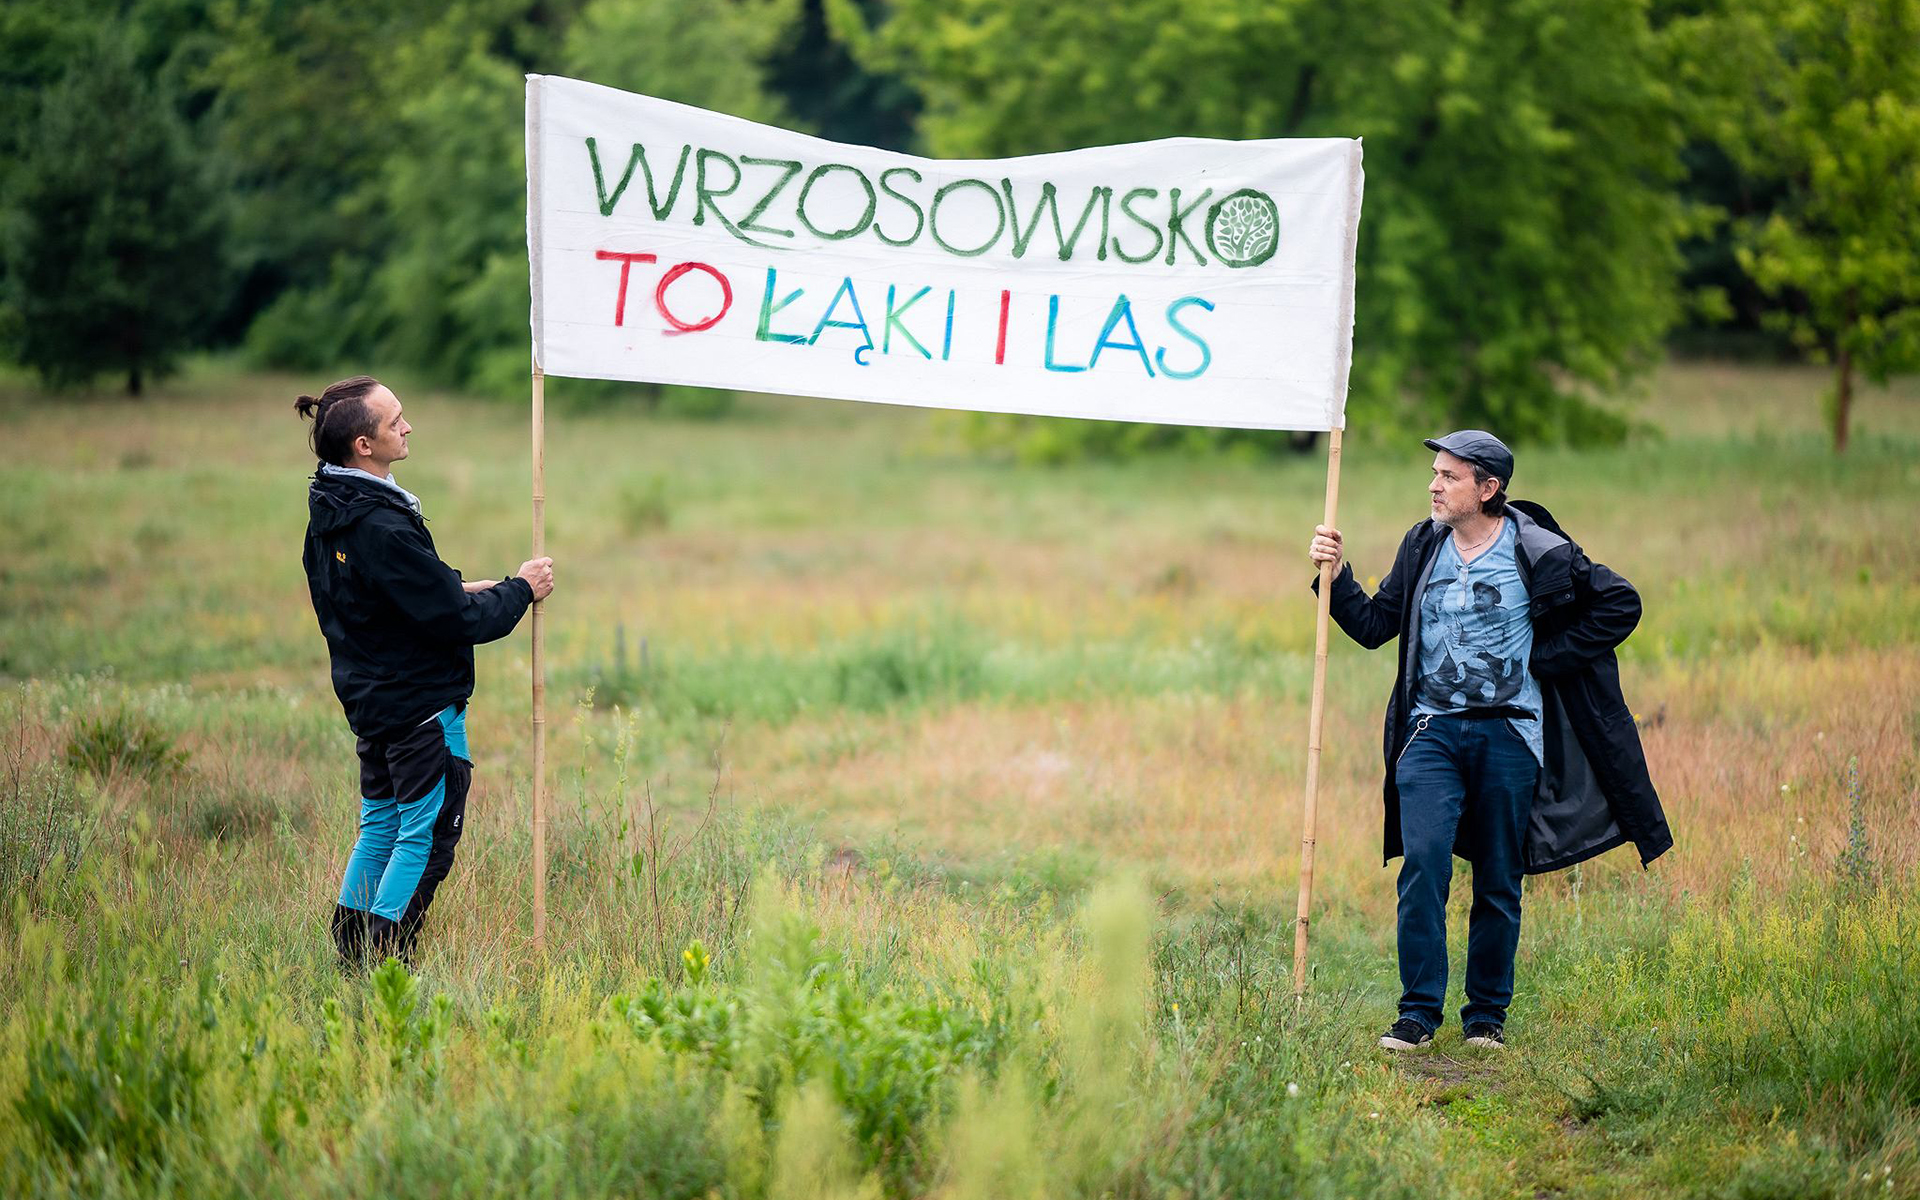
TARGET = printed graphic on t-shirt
(1476,638)
(1465,675)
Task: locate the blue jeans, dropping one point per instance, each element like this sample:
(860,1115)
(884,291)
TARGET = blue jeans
(1475,777)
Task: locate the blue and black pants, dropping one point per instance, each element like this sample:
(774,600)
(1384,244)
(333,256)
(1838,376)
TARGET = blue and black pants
(1464,783)
(413,804)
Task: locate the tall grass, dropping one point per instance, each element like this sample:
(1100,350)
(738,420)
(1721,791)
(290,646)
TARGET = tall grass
(942,842)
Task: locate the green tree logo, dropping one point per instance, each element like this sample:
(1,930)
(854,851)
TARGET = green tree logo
(1244,228)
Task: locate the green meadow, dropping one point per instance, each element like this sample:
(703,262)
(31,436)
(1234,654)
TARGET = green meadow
(924,824)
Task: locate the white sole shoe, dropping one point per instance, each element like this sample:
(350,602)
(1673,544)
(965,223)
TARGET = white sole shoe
(1486,1043)
(1389,1042)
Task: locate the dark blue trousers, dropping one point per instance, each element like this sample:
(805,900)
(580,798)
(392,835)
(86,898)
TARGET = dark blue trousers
(1473,778)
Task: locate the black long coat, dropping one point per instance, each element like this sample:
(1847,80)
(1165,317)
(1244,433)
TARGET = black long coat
(1594,791)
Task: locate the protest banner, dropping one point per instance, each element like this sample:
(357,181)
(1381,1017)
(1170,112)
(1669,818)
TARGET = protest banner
(1184,281)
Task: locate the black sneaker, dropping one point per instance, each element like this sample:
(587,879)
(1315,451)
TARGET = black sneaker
(1486,1035)
(1406,1034)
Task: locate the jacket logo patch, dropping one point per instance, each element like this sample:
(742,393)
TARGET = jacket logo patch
(341,555)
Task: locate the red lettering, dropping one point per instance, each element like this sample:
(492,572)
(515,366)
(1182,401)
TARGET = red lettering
(626,268)
(1000,350)
(679,326)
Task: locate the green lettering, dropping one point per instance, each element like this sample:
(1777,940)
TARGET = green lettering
(866,218)
(637,158)
(1070,241)
(999,213)
(1126,207)
(751,220)
(1175,232)
(705,194)
(919,215)
(1047,201)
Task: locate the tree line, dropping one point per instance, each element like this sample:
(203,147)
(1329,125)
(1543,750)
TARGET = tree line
(1556,189)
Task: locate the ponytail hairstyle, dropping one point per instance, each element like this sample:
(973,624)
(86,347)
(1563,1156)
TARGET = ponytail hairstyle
(339,415)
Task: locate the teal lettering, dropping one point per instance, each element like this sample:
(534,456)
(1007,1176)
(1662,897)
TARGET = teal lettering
(768,308)
(1173,319)
(1122,310)
(946,348)
(894,322)
(1053,321)
(859,319)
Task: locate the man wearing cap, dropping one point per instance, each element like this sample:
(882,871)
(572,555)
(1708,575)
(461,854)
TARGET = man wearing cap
(1507,739)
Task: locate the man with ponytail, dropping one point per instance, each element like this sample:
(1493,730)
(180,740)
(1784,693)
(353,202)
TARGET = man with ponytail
(401,627)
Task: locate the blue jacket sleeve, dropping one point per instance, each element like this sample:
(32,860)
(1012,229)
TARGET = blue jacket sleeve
(429,592)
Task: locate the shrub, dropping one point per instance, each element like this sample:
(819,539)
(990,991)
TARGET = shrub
(118,1078)
(887,1060)
(642,505)
(119,742)
(905,666)
(40,824)
(694,403)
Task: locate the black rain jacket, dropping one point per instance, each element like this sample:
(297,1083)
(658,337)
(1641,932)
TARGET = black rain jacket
(1594,791)
(400,628)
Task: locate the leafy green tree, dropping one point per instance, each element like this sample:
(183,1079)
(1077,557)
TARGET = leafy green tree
(710,53)
(1519,243)
(1825,100)
(37,41)
(113,236)
(450,294)
(305,107)
(833,93)
(405,218)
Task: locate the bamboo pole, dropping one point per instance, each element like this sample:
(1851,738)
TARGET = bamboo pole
(1316,716)
(539,669)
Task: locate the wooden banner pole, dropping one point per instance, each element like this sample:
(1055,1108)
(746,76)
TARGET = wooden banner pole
(1316,714)
(539,669)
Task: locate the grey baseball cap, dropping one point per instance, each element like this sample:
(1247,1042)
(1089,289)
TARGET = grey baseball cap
(1479,447)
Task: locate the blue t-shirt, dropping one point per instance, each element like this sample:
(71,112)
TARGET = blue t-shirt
(1476,637)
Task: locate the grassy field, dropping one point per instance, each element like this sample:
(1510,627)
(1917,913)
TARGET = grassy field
(929,826)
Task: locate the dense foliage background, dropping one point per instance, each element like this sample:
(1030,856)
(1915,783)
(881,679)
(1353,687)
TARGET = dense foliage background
(1555,187)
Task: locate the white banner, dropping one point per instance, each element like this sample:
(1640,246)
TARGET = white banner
(1186,281)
